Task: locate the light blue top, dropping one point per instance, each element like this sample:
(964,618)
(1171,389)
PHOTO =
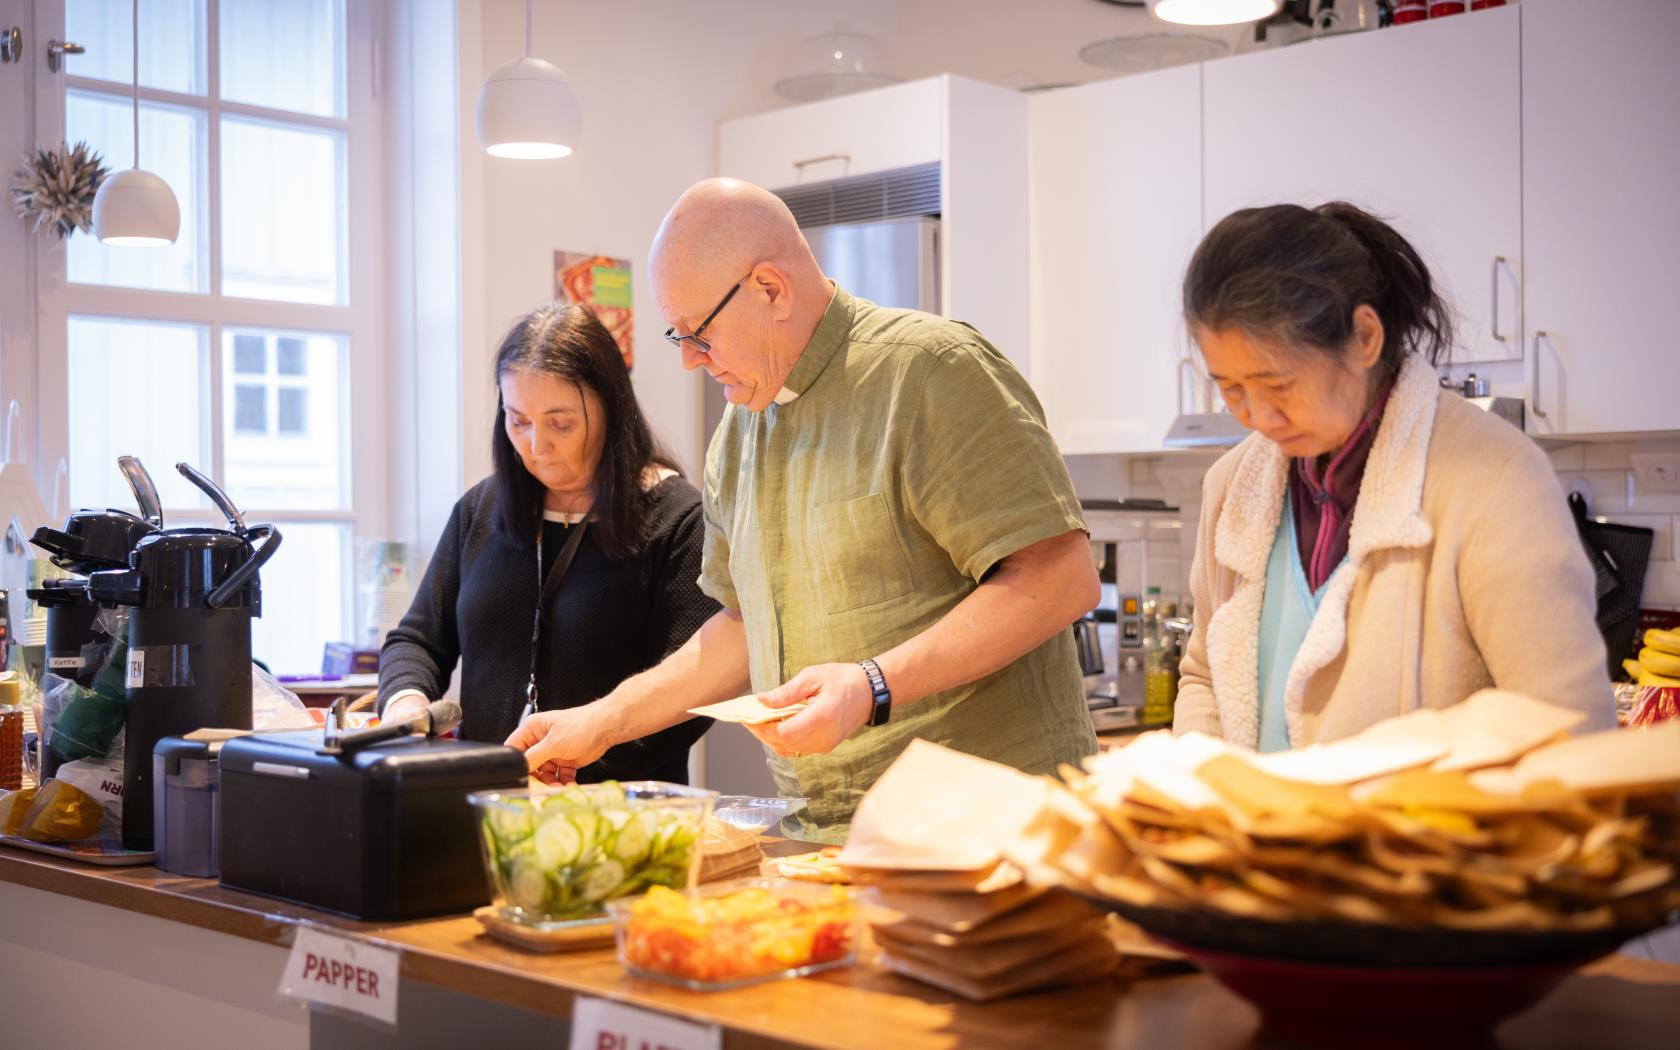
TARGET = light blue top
(1285,614)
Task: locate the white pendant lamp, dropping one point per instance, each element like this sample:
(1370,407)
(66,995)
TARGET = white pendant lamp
(1213,12)
(528,110)
(136,208)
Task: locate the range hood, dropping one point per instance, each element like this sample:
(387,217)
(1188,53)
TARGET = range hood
(1221,429)
(1205,430)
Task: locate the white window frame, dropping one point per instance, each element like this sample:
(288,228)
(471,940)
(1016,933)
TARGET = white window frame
(361,319)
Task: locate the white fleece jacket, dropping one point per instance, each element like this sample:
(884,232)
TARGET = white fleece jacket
(1464,571)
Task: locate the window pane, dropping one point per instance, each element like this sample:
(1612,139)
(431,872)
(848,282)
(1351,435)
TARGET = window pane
(305,464)
(303,594)
(172,146)
(172,50)
(287,54)
(250,409)
(281,212)
(294,411)
(136,388)
(250,355)
(292,360)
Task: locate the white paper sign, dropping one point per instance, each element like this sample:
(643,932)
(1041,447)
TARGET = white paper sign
(598,1024)
(339,972)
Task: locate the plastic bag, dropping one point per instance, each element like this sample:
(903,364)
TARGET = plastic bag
(83,722)
(61,813)
(102,780)
(273,706)
(14,806)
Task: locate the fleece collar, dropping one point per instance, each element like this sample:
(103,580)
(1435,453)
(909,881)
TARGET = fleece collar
(1388,514)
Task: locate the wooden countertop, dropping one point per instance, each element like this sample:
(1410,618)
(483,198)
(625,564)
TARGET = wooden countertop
(1620,1001)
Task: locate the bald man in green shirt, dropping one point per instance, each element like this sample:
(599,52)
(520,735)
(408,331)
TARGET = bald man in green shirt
(889,527)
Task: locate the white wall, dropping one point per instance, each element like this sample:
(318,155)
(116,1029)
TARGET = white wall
(655,77)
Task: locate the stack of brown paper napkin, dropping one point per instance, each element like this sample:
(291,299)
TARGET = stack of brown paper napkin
(728,852)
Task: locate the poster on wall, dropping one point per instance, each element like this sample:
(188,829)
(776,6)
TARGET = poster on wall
(601,283)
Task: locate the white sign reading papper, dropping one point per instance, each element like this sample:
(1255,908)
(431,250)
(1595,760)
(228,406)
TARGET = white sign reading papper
(339,972)
(601,1025)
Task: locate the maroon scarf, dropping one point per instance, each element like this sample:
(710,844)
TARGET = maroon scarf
(1322,499)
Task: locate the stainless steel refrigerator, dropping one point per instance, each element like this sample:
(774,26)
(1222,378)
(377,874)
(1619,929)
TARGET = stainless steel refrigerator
(891,263)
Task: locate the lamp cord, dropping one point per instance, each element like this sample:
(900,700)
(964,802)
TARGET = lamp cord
(136,85)
(527,27)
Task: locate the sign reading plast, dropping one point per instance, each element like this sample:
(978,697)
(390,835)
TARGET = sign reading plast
(598,1024)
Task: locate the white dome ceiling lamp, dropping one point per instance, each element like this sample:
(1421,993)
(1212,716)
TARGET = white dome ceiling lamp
(527,110)
(135,208)
(1213,12)
(838,62)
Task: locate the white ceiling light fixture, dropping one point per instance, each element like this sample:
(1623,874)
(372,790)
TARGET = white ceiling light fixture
(135,208)
(527,110)
(838,62)
(1213,12)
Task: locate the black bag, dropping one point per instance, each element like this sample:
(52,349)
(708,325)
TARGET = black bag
(1619,555)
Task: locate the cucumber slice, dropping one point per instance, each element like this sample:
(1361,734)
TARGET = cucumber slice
(589,825)
(558,842)
(598,882)
(635,838)
(508,824)
(607,793)
(567,798)
(528,887)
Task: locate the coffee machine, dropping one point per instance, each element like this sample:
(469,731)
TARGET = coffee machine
(192,593)
(90,541)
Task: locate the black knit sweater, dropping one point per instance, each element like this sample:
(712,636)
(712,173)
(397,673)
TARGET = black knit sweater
(608,620)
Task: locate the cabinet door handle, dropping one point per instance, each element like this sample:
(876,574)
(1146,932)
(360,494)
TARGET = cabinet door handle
(801,165)
(1498,261)
(1535,386)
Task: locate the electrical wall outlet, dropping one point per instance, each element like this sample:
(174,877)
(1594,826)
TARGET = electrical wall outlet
(1656,465)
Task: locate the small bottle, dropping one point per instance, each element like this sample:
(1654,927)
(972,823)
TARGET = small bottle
(1158,672)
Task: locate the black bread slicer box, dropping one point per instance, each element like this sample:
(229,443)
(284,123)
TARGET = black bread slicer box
(381,833)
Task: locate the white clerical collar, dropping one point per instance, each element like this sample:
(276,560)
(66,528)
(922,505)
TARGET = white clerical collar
(785,396)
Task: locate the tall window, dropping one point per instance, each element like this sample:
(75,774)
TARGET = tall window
(234,348)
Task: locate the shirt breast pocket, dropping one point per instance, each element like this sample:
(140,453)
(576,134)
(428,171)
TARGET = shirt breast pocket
(863,558)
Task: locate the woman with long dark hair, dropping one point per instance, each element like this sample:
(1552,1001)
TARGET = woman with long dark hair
(570,568)
(1377,545)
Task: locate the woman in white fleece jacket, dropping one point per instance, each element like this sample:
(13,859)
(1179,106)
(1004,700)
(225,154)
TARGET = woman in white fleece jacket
(1377,545)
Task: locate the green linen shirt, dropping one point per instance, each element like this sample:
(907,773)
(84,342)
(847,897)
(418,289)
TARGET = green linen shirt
(852,518)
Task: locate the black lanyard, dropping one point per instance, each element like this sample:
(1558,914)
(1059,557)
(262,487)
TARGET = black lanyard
(545,591)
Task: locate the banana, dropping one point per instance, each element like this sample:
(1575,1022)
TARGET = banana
(1647,679)
(1663,641)
(1658,662)
(1633,669)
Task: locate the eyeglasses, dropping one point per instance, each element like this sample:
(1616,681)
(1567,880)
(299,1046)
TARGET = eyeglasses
(694,337)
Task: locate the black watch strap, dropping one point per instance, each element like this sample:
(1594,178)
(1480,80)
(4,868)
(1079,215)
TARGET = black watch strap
(881,695)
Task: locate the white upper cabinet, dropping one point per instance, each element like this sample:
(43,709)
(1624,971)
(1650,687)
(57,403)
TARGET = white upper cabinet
(1419,124)
(871,131)
(976,132)
(1601,214)
(1114,212)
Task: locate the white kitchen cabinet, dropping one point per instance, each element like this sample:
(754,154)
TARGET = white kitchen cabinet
(976,132)
(1419,124)
(1601,215)
(1114,212)
(871,131)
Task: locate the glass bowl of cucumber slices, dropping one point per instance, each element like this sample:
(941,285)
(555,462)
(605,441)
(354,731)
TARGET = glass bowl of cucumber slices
(555,857)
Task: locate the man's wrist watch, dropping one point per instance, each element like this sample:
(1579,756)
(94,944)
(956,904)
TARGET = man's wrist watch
(880,695)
